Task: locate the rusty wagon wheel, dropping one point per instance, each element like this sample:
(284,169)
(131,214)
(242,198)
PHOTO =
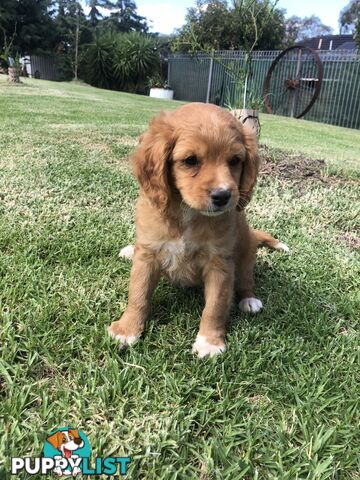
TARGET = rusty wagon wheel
(293,82)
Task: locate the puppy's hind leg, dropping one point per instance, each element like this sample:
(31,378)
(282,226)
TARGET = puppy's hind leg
(265,239)
(127,252)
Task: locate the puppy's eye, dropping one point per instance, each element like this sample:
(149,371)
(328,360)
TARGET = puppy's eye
(234,161)
(191,161)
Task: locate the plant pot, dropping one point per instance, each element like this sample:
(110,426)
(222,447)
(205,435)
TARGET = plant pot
(14,75)
(249,117)
(164,93)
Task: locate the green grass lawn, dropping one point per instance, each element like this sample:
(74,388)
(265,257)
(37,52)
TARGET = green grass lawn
(281,403)
(338,146)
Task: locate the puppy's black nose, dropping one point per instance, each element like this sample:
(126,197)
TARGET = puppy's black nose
(220,196)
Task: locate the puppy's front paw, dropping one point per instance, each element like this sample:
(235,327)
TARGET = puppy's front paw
(203,348)
(120,331)
(127,252)
(252,305)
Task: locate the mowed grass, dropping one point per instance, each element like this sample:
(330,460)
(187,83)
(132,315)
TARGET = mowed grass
(338,146)
(281,403)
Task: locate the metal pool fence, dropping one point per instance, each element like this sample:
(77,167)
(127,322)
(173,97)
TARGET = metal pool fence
(213,78)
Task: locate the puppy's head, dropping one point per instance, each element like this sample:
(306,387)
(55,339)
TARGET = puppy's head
(199,154)
(66,441)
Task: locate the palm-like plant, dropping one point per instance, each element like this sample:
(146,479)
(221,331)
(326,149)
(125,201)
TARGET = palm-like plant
(135,59)
(120,61)
(97,62)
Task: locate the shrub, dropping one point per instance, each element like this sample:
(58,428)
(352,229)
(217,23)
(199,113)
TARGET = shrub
(135,59)
(64,67)
(97,66)
(120,61)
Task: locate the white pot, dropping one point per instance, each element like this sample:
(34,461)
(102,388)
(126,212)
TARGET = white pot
(163,93)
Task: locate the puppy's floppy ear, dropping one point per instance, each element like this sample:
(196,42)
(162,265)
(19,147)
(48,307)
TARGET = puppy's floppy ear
(55,440)
(151,160)
(74,432)
(77,439)
(250,167)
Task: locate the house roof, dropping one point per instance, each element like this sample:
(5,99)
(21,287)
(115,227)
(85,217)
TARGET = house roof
(330,42)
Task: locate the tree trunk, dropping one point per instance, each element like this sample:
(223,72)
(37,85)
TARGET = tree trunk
(77,41)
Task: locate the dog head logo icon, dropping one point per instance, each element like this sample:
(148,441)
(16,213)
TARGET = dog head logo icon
(69,444)
(67,441)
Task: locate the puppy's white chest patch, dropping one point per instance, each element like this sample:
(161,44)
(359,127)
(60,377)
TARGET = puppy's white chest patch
(172,254)
(179,261)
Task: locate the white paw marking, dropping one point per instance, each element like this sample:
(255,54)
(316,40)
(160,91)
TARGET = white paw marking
(282,247)
(251,304)
(127,252)
(203,348)
(124,340)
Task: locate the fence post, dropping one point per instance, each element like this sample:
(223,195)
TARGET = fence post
(211,68)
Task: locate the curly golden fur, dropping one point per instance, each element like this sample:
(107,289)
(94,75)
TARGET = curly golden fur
(197,167)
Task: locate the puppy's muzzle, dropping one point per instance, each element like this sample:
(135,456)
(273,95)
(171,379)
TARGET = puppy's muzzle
(220,197)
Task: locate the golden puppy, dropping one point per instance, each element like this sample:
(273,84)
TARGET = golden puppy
(197,167)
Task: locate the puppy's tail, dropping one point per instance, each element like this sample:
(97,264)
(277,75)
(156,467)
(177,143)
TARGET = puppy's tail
(265,239)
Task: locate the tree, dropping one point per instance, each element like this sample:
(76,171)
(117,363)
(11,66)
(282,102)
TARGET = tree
(28,23)
(8,27)
(65,23)
(298,29)
(72,31)
(220,26)
(123,17)
(293,26)
(350,19)
(94,14)
(313,27)
(7,20)
(209,23)
(259,24)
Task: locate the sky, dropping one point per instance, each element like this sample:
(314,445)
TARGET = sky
(167,15)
